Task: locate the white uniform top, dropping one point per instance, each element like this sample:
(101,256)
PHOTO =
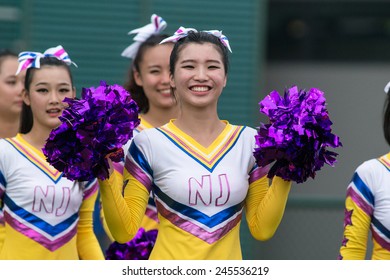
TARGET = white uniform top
(201,190)
(368,208)
(38,201)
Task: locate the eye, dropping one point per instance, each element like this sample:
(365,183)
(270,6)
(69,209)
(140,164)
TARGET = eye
(42,90)
(187,66)
(155,71)
(214,67)
(64,90)
(12,83)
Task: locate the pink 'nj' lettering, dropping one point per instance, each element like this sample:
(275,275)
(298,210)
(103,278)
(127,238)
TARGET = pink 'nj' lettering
(44,200)
(200,190)
(203,190)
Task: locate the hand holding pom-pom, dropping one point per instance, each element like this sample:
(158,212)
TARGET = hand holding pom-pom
(297,136)
(93,128)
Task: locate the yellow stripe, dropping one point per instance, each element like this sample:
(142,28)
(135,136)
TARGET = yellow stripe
(35,156)
(143,125)
(207,155)
(385,160)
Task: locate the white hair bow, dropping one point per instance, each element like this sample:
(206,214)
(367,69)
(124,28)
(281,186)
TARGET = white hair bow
(156,26)
(32,59)
(183,32)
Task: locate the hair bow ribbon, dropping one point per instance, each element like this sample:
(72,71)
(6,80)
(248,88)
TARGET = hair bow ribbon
(183,32)
(156,26)
(32,59)
(224,40)
(180,33)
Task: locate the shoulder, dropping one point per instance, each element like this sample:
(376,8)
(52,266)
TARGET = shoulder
(370,166)
(372,172)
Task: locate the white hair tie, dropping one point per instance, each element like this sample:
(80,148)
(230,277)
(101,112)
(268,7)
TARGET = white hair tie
(156,26)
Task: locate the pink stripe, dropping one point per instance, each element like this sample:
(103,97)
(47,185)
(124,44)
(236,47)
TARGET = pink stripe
(152,214)
(118,166)
(91,190)
(209,237)
(258,173)
(33,157)
(138,173)
(59,52)
(360,202)
(2,218)
(36,236)
(380,240)
(156,22)
(222,150)
(26,63)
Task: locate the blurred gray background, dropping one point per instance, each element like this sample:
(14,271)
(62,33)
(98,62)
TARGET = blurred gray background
(339,46)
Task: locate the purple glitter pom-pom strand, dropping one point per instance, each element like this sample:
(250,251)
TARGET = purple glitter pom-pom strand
(139,248)
(297,135)
(92,128)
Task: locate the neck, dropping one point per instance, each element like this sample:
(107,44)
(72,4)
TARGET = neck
(157,117)
(202,125)
(9,127)
(37,137)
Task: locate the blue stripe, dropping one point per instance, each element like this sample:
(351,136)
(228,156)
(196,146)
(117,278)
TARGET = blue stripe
(363,189)
(151,202)
(36,221)
(139,158)
(380,227)
(55,181)
(195,214)
(2,180)
(197,160)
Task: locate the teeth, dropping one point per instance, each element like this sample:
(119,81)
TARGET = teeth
(200,88)
(53,111)
(165,91)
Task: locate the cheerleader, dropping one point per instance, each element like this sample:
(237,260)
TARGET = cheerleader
(201,169)
(46,215)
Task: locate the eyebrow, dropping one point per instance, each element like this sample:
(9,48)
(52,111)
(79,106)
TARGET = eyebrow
(208,61)
(154,66)
(46,84)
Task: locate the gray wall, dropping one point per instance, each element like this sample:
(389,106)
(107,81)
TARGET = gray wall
(312,227)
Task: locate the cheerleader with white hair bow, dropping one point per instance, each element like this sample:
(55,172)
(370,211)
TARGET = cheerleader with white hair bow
(47,216)
(148,83)
(200,169)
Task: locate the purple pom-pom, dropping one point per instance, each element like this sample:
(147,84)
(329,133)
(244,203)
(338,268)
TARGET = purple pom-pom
(92,128)
(298,134)
(139,248)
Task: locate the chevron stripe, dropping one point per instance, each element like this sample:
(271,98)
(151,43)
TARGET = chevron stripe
(207,157)
(17,211)
(36,158)
(49,244)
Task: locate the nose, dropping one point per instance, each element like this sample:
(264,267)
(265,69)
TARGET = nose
(200,74)
(54,98)
(19,88)
(165,77)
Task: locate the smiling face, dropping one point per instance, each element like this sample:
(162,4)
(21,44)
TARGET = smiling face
(199,76)
(153,76)
(48,88)
(11,87)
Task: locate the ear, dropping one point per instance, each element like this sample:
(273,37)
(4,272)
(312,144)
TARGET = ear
(137,78)
(225,81)
(26,97)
